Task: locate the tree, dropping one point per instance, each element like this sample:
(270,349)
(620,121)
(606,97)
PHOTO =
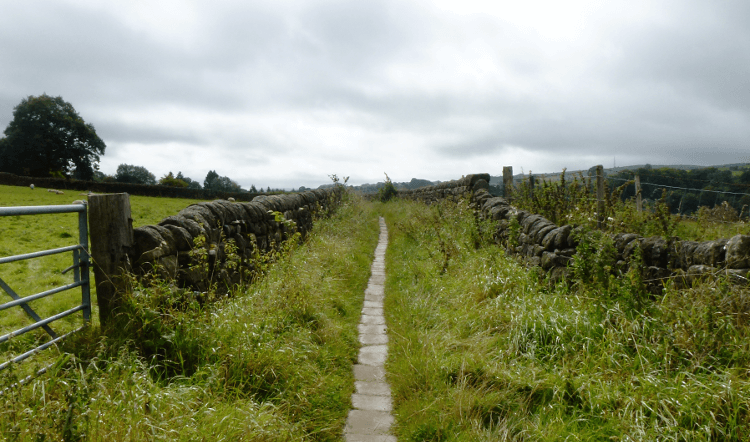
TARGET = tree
(190,183)
(102,177)
(388,191)
(211,177)
(48,137)
(127,173)
(220,183)
(171,181)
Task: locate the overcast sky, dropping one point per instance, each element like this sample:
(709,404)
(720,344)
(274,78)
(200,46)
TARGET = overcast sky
(283,93)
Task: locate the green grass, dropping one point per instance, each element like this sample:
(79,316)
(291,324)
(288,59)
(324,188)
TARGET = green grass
(30,233)
(271,362)
(484,349)
(481,348)
(573,203)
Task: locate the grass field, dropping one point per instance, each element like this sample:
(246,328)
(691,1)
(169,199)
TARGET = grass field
(25,234)
(272,362)
(483,349)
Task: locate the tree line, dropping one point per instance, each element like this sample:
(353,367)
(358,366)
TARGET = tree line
(48,138)
(685,191)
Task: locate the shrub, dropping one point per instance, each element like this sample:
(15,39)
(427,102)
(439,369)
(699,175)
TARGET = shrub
(388,191)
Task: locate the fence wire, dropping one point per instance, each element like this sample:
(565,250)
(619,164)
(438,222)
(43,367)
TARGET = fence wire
(676,199)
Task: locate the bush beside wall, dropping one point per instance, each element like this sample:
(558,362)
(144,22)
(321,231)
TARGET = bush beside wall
(542,243)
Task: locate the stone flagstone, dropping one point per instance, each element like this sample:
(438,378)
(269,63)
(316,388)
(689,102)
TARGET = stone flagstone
(370,419)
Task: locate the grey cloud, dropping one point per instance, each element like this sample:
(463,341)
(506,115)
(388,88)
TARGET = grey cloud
(674,86)
(117,132)
(704,53)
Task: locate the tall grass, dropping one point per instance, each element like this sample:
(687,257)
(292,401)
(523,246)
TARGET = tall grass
(270,362)
(26,234)
(484,349)
(574,202)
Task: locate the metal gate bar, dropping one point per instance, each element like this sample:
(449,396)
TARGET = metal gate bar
(80,278)
(50,292)
(26,307)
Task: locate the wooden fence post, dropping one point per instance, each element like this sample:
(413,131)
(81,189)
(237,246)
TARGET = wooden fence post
(638,196)
(599,196)
(531,186)
(111,230)
(508,182)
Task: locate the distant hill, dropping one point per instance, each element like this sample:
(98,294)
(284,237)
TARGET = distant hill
(415,183)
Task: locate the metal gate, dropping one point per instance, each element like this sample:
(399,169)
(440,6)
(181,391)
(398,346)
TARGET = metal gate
(80,269)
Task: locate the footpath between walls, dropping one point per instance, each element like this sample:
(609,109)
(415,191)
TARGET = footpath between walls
(539,242)
(223,242)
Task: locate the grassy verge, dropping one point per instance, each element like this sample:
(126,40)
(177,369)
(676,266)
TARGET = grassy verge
(272,362)
(484,349)
(26,234)
(573,203)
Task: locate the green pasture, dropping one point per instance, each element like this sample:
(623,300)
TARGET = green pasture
(481,348)
(271,362)
(30,233)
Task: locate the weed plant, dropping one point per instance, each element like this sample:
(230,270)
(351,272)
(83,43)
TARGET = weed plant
(574,202)
(270,362)
(26,234)
(484,349)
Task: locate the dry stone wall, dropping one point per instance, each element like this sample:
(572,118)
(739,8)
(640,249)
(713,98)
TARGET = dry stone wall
(449,189)
(542,243)
(219,241)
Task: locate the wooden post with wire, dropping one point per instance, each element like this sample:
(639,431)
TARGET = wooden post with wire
(638,196)
(531,186)
(599,196)
(111,230)
(508,182)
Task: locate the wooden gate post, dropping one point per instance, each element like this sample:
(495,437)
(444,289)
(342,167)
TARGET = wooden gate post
(599,196)
(508,182)
(111,230)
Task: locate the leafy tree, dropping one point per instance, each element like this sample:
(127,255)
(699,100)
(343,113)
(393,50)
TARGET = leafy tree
(211,177)
(48,137)
(127,173)
(190,183)
(220,183)
(171,181)
(689,203)
(102,177)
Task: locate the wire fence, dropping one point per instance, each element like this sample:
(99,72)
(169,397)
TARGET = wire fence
(722,201)
(688,200)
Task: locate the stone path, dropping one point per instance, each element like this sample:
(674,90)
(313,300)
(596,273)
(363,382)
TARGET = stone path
(370,420)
